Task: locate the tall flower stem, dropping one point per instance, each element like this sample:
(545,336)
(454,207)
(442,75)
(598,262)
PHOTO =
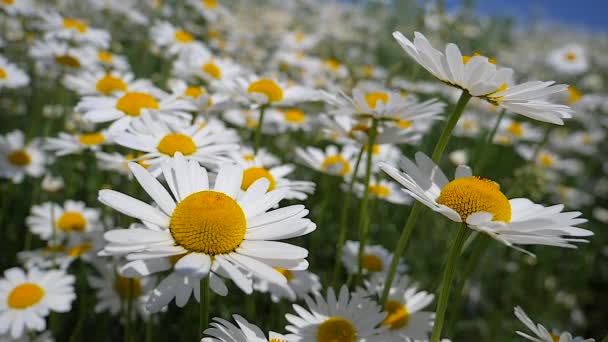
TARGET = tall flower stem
(204,305)
(258,130)
(442,142)
(364,219)
(344,219)
(446,281)
(129,311)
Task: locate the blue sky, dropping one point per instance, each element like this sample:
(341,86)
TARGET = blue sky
(590,14)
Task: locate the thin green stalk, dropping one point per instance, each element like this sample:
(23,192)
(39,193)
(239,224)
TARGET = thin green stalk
(487,142)
(258,130)
(150,328)
(442,142)
(344,219)
(204,305)
(129,311)
(364,219)
(327,192)
(446,281)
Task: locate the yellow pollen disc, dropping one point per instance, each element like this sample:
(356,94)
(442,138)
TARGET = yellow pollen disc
(25,295)
(372,263)
(105,56)
(375,149)
(398,315)
(208,222)
(127,288)
(573,95)
(570,56)
(379,190)
(176,142)
(276,340)
(79,250)
(373,98)
(470,195)
(502,87)
(213,34)
(545,159)
(332,64)
(183,36)
(267,87)
(554,337)
(336,165)
(252,174)
(466,59)
(469,125)
(210,3)
(368,70)
(109,84)
(294,115)
(516,129)
(72,221)
(404,124)
(68,61)
(91,139)
(8,2)
(19,158)
(194,91)
(3,74)
(300,37)
(75,24)
(132,103)
(251,122)
(336,329)
(249,157)
(212,70)
(286,273)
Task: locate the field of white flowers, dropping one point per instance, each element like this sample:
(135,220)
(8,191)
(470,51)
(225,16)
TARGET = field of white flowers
(317,171)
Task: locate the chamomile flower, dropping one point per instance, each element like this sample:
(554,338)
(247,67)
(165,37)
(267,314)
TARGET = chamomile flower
(290,119)
(11,76)
(119,162)
(549,160)
(480,77)
(159,141)
(75,30)
(212,10)
(61,57)
(480,203)
(341,318)
(570,59)
(259,91)
(210,228)
(62,255)
(345,129)
(224,331)
(199,97)
(249,119)
(200,64)
(111,61)
(469,125)
(299,41)
(18,158)
(65,143)
(51,221)
(541,334)
(28,297)
(331,160)
(172,39)
(383,190)
(254,169)
(15,8)
(376,259)
(299,284)
(512,131)
(105,83)
(583,142)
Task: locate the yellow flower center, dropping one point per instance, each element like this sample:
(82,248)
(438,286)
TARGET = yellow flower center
(72,221)
(398,315)
(336,329)
(212,70)
(286,273)
(373,98)
(516,128)
(251,122)
(368,70)
(379,190)
(375,149)
(8,2)
(372,263)
(466,59)
(294,115)
(68,61)
(176,142)
(267,87)
(332,64)
(404,124)
(210,3)
(127,288)
(132,103)
(91,139)
(300,37)
(573,95)
(3,74)
(19,158)
(545,159)
(213,34)
(554,337)
(109,84)
(336,165)
(194,91)
(570,56)
(75,24)
(208,222)
(470,195)
(79,250)
(252,174)
(276,340)
(105,56)
(183,36)
(469,125)
(25,295)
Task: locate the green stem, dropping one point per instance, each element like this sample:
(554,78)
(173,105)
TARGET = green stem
(326,191)
(129,311)
(344,219)
(485,144)
(258,130)
(446,281)
(364,220)
(442,142)
(204,305)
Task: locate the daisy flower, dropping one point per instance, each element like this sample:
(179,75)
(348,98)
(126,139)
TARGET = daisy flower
(51,183)
(570,59)
(289,119)
(383,190)
(541,333)
(14,8)
(345,129)
(111,61)
(105,83)
(376,259)
(480,77)
(199,97)
(345,318)
(11,76)
(259,91)
(480,203)
(224,331)
(585,142)
(330,161)
(81,246)
(299,284)
(60,57)
(120,162)
(299,41)
(18,159)
(210,228)
(469,125)
(65,143)
(27,298)
(549,160)
(159,141)
(171,39)
(249,119)
(513,131)
(212,10)
(72,217)
(254,169)
(200,64)
(76,30)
